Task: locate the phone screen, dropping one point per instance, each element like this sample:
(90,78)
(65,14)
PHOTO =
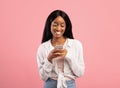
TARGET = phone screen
(59,47)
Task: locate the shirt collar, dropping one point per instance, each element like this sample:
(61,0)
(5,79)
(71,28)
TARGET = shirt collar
(69,43)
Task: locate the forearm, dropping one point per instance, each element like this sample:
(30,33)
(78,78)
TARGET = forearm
(77,68)
(45,69)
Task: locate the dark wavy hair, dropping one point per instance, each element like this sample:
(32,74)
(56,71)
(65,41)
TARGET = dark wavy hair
(47,29)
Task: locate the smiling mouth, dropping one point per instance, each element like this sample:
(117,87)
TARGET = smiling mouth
(57,32)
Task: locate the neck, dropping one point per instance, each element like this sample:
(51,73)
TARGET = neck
(58,41)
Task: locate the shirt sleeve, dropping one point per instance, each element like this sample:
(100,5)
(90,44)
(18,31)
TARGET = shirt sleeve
(75,59)
(44,66)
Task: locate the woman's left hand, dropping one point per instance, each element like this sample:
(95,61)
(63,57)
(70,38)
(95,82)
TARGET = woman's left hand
(62,52)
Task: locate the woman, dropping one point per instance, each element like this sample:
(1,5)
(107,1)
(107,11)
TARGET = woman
(60,56)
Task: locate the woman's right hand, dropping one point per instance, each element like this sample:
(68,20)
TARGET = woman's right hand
(55,53)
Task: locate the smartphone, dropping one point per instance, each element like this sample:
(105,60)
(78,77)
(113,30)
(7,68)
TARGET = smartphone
(59,47)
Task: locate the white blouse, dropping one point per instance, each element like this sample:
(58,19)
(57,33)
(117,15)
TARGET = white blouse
(73,64)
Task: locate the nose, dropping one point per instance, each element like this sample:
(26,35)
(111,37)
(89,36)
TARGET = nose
(58,27)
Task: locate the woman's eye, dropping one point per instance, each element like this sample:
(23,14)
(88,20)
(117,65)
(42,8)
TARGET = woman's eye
(55,24)
(62,25)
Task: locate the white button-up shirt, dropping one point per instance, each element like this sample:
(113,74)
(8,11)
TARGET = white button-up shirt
(73,62)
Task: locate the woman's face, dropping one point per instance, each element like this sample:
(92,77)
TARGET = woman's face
(58,27)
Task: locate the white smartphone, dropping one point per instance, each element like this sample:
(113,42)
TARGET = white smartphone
(59,47)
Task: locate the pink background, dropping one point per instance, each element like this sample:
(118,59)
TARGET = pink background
(95,22)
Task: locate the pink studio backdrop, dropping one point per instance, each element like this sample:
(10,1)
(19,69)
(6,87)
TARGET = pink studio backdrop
(96,23)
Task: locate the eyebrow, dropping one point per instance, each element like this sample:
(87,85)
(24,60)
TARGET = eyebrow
(60,23)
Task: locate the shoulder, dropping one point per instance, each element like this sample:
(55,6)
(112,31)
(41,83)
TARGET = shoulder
(44,45)
(74,42)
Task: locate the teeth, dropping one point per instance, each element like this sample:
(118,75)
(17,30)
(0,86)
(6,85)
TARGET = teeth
(58,32)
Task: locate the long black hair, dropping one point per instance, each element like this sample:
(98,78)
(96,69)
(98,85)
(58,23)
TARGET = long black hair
(47,30)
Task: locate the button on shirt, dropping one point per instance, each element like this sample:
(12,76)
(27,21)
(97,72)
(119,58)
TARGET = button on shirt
(71,68)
